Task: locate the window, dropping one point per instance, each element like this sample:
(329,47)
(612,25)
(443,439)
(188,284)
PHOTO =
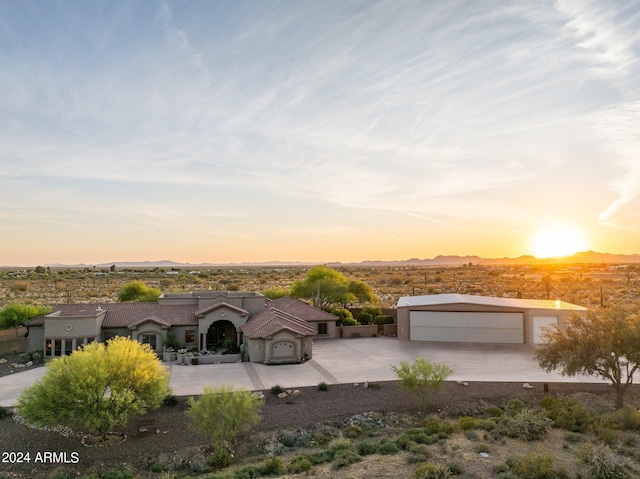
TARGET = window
(323,328)
(149,339)
(190,336)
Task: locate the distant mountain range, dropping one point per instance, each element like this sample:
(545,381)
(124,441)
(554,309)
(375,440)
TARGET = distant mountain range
(451,260)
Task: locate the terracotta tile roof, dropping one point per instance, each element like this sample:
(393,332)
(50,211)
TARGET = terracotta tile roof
(122,315)
(271,321)
(302,310)
(218,304)
(153,318)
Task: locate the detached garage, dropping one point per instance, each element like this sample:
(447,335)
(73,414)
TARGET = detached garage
(478,319)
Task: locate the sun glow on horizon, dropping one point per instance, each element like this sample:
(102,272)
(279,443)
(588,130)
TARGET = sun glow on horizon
(555,241)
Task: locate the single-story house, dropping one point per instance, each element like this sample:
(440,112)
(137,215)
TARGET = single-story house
(479,319)
(278,330)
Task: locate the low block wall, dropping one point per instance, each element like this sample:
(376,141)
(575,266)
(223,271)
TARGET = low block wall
(390,329)
(15,345)
(368,331)
(210,358)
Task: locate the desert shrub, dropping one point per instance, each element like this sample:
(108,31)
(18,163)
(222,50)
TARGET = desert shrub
(383,319)
(345,317)
(610,437)
(625,419)
(429,470)
(36,357)
(273,467)
(325,434)
(567,413)
(220,458)
(466,422)
(299,464)
(340,444)
(4,412)
(528,426)
(494,411)
(482,447)
(247,472)
(24,357)
(602,462)
(386,447)
(321,457)
(487,424)
(454,467)
(419,453)
(514,406)
(343,453)
(434,425)
(471,434)
(366,448)
(323,386)
(535,466)
(352,431)
(416,436)
(277,389)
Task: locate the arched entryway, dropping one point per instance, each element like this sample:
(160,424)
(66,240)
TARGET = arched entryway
(218,332)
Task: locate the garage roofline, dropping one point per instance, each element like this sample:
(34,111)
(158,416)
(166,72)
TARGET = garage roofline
(446,299)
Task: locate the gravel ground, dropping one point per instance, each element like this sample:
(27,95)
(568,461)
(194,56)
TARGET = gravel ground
(310,407)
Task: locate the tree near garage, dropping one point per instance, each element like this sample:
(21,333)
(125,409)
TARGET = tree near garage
(97,387)
(603,343)
(14,315)
(422,378)
(329,288)
(138,291)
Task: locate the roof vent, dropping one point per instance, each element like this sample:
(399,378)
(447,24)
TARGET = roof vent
(99,309)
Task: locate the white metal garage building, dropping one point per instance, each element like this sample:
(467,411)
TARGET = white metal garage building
(479,319)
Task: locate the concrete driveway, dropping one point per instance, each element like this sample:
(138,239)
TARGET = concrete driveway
(345,361)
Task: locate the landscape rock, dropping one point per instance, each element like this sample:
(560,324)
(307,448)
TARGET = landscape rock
(29,364)
(3,360)
(296,392)
(527,386)
(282,395)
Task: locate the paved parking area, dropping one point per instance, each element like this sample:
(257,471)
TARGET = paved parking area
(345,361)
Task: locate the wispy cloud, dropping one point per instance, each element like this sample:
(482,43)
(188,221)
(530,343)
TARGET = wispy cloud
(450,113)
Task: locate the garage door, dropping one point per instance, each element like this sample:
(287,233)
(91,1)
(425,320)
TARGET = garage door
(466,327)
(539,322)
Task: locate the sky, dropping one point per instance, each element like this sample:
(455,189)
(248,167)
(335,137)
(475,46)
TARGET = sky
(338,130)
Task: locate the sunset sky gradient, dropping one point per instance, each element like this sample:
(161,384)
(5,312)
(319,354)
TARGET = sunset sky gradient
(232,131)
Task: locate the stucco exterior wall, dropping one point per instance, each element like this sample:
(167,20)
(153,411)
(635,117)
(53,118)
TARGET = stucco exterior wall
(36,339)
(73,327)
(255,348)
(332,330)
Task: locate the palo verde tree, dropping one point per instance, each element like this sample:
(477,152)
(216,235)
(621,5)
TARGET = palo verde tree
(329,288)
(138,291)
(221,414)
(14,315)
(421,379)
(603,343)
(97,387)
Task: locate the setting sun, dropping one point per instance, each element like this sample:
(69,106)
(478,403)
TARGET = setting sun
(557,240)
